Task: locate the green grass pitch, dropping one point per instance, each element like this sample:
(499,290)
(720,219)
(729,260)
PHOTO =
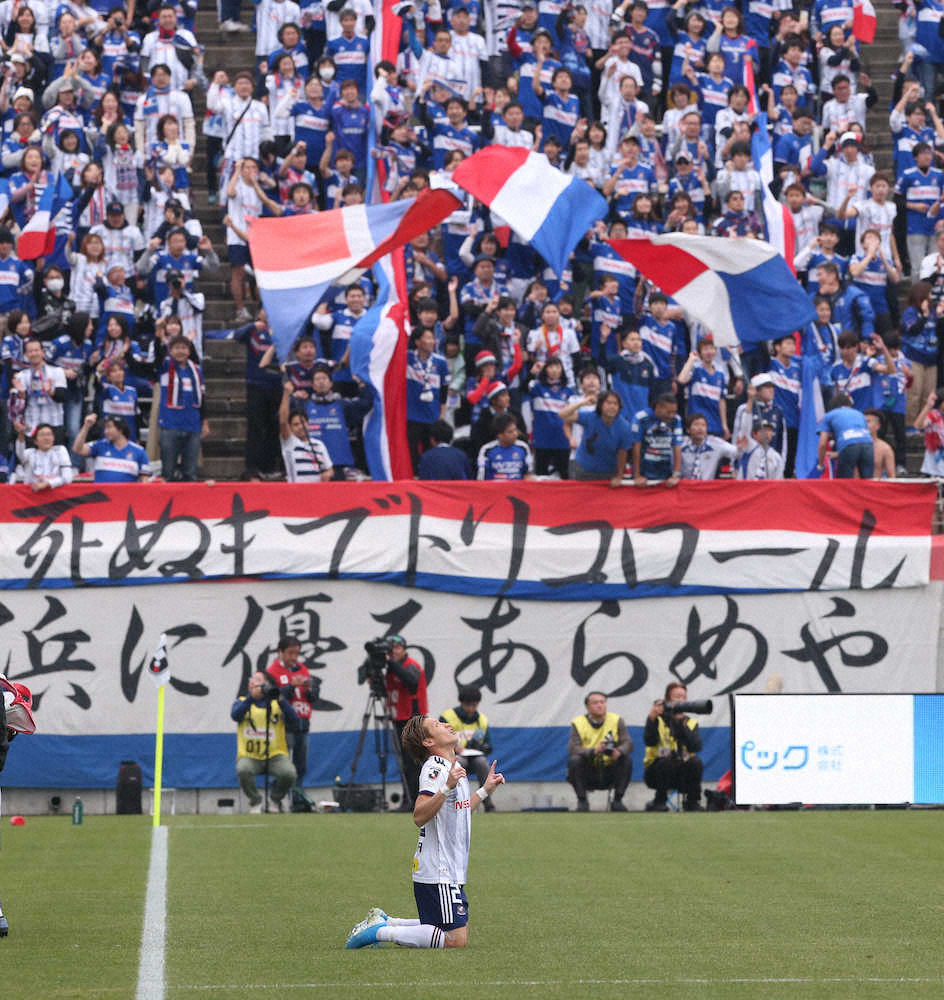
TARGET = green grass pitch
(796,905)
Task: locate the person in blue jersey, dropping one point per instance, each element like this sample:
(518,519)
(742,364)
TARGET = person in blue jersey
(332,419)
(561,109)
(854,375)
(427,384)
(786,374)
(921,187)
(922,332)
(605,437)
(847,427)
(632,373)
(341,323)
(656,438)
(117,460)
(350,120)
(506,458)
(180,417)
(350,52)
(118,398)
(662,342)
(606,317)
(549,395)
(263,395)
(707,385)
(442,460)
(311,121)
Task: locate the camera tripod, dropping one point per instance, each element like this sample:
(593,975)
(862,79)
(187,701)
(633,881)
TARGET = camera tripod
(378,718)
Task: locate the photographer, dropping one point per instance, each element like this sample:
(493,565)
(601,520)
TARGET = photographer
(405,682)
(301,690)
(471,726)
(598,753)
(262,747)
(672,743)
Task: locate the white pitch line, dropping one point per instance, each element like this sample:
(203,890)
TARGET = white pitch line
(643,981)
(151,964)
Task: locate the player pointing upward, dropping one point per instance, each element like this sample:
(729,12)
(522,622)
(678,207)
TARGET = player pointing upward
(443,814)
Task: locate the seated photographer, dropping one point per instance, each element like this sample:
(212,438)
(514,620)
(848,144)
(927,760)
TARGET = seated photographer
(405,681)
(598,753)
(301,690)
(471,726)
(262,718)
(672,743)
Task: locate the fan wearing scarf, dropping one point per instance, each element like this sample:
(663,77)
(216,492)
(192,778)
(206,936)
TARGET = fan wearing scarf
(16,716)
(181,411)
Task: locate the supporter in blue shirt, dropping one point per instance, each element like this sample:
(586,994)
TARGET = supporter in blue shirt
(350,52)
(120,399)
(350,121)
(311,119)
(427,383)
(854,374)
(657,437)
(505,458)
(662,341)
(549,396)
(331,418)
(706,386)
(852,439)
(180,417)
(632,373)
(605,439)
(786,375)
(443,461)
(263,396)
(15,276)
(117,460)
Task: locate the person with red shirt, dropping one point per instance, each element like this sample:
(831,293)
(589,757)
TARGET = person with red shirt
(300,689)
(406,697)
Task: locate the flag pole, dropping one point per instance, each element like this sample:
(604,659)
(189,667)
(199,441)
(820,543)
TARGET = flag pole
(159,755)
(159,671)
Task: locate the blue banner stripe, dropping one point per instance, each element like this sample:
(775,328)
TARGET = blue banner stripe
(537,753)
(532,590)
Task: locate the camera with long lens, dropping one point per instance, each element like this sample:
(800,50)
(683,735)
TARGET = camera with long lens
(270,691)
(373,670)
(688,707)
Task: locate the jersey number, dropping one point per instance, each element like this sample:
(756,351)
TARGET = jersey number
(255,746)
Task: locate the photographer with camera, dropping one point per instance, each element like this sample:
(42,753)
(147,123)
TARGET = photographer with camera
(475,745)
(672,743)
(262,746)
(405,682)
(301,690)
(598,753)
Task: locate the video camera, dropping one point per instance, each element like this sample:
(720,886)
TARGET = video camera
(373,670)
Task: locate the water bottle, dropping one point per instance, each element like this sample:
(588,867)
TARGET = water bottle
(77,812)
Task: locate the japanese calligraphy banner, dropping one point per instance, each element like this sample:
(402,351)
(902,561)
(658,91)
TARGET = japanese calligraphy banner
(84,653)
(552,541)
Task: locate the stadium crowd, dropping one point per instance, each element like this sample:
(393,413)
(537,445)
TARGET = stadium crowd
(592,373)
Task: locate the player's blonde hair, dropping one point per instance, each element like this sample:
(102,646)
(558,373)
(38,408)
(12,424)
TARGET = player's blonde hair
(414,732)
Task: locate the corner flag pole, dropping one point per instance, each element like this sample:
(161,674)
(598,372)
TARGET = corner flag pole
(159,671)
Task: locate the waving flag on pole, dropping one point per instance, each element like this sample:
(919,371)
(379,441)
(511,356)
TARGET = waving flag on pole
(740,290)
(864,21)
(781,233)
(811,409)
(378,358)
(38,238)
(546,207)
(297,258)
(747,74)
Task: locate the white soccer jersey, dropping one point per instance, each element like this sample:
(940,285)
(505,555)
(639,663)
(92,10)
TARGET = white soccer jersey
(305,460)
(442,852)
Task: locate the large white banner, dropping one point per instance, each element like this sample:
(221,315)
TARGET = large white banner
(84,652)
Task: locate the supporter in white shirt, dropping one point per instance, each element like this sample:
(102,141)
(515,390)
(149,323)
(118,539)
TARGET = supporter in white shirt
(306,458)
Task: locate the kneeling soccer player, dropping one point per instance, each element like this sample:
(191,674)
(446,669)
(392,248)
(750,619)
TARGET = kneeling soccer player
(443,814)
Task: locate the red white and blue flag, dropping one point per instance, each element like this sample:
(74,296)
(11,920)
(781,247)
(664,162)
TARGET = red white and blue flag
(781,232)
(378,358)
(546,207)
(864,21)
(740,290)
(747,78)
(38,238)
(296,259)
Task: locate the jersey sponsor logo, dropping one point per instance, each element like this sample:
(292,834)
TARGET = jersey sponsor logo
(463,804)
(434,773)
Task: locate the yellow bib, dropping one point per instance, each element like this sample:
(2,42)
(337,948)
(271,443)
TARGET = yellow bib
(465,730)
(251,734)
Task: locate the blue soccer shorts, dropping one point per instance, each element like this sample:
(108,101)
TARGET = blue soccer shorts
(441,904)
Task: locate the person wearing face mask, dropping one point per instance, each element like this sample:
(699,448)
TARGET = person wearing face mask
(55,307)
